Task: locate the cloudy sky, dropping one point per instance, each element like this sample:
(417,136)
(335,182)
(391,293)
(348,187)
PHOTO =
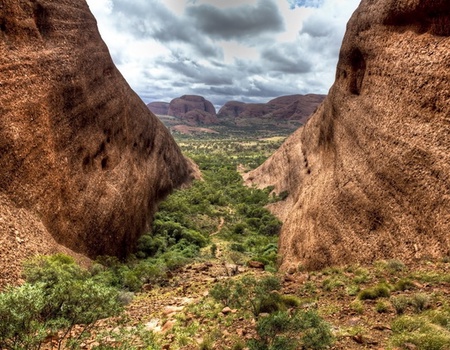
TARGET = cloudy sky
(245,50)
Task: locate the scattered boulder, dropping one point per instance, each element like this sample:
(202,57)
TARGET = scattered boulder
(255,264)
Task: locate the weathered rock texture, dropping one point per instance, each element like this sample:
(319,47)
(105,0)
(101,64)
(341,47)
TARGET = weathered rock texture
(292,107)
(83,161)
(161,108)
(194,110)
(368,175)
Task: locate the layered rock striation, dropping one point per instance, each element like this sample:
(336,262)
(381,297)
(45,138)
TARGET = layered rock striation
(368,175)
(83,161)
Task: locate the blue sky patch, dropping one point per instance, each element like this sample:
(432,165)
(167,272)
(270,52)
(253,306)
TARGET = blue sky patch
(305,3)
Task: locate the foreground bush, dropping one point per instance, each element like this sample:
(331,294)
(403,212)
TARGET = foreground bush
(57,295)
(284,331)
(427,331)
(250,294)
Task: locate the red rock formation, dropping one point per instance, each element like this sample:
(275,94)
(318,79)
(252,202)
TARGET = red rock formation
(292,107)
(232,109)
(161,108)
(296,107)
(368,175)
(194,109)
(83,161)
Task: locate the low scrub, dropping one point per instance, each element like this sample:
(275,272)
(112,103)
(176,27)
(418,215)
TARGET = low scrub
(284,331)
(57,295)
(379,291)
(427,331)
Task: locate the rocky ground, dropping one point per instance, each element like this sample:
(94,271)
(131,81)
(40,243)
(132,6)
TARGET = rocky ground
(182,315)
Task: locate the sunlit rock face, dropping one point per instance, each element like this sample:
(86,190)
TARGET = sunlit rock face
(83,161)
(368,175)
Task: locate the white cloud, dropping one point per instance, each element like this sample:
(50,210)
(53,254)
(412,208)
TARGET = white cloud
(249,50)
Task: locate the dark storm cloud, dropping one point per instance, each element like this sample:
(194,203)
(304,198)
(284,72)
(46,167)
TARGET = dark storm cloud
(195,72)
(285,59)
(237,22)
(152,19)
(169,48)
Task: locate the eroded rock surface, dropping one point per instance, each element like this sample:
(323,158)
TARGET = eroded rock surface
(83,161)
(368,175)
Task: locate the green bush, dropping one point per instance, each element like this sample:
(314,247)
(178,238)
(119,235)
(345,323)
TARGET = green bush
(400,304)
(420,302)
(379,291)
(381,307)
(421,331)
(57,295)
(250,294)
(395,265)
(21,323)
(404,284)
(282,330)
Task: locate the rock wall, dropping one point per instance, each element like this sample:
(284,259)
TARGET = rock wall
(83,161)
(368,175)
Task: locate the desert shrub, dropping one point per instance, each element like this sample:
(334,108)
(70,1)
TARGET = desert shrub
(400,304)
(404,284)
(420,302)
(283,195)
(362,275)
(395,265)
(352,289)
(379,291)
(57,295)
(381,307)
(421,331)
(237,247)
(332,283)
(126,338)
(290,301)
(250,294)
(213,250)
(282,330)
(224,292)
(21,325)
(239,228)
(357,306)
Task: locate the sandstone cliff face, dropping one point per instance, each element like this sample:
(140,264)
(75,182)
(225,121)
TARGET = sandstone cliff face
(292,107)
(82,159)
(161,108)
(194,110)
(368,175)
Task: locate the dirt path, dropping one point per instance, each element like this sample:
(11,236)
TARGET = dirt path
(221,223)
